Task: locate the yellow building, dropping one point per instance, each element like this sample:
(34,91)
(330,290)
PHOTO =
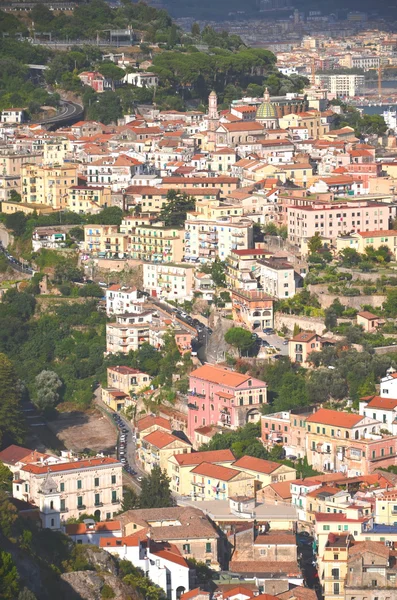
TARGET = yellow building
(48,185)
(83,199)
(214,482)
(386,508)
(311,120)
(115,399)
(104,240)
(153,241)
(127,379)
(180,467)
(55,151)
(364,239)
(265,472)
(157,447)
(221,160)
(333,568)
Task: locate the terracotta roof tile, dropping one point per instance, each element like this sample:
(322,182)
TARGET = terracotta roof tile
(72,466)
(151,420)
(216,471)
(324,416)
(209,456)
(257,464)
(161,439)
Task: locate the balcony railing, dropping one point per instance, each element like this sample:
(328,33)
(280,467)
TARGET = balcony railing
(116,501)
(81,507)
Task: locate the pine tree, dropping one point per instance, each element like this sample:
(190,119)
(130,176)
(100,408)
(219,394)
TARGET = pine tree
(11,420)
(156,491)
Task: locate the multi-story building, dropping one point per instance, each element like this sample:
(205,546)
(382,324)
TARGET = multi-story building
(152,241)
(55,151)
(347,442)
(173,282)
(68,490)
(127,379)
(129,332)
(363,239)
(207,239)
(214,482)
(115,172)
(253,308)
(86,200)
(331,220)
(120,300)
(218,395)
(157,447)
(371,571)
(277,278)
(188,528)
(265,472)
(311,120)
(303,344)
(242,268)
(104,240)
(47,185)
(180,467)
(342,85)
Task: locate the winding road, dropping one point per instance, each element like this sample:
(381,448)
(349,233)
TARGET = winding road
(69,112)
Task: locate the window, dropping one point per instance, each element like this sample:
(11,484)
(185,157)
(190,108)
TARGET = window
(208,547)
(114,496)
(186,548)
(96,481)
(79,501)
(113,479)
(63,505)
(97,499)
(79,484)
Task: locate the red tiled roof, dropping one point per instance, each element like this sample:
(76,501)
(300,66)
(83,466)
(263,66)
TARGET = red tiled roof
(240,589)
(81,528)
(220,376)
(209,456)
(257,464)
(14,454)
(151,420)
(324,416)
(193,594)
(365,314)
(161,439)
(382,403)
(169,552)
(381,233)
(216,471)
(282,489)
(71,466)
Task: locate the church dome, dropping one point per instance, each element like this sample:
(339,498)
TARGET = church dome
(267,110)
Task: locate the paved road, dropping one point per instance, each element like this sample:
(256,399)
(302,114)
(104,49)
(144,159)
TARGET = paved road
(276,341)
(15,263)
(69,110)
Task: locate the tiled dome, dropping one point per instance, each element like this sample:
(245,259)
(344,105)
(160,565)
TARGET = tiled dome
(266,111)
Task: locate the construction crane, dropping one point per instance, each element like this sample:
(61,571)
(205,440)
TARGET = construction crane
(381,68)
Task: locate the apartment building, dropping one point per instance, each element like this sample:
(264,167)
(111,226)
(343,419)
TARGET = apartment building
(13,116)
(220,396)
(183,526)
(225,183)
(129,332)
(206,240)
(311,120)
(252,308)
(122,299)
(157,447)
(342,85)
(180,466)
(127,379)
(347,442)
(152,241)
(364,239)
(86,200)
(115,172)
(47,185)
(67,490)
(331,220)
(277,278)
(55,151)
(265,472)
(172,282)
(215,482)
(221,160)
(104,241)
(242,268)
(365,61)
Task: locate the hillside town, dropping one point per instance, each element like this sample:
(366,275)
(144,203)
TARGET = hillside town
(216,286)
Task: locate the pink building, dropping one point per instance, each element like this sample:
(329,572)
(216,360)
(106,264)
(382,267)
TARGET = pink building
(330,220)
(223,397)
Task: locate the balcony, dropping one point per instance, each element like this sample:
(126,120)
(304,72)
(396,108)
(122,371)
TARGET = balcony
(64,510)
(98,504)
(81,507)
(116,501)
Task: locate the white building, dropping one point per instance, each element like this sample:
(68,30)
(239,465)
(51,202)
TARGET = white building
(342,84)
(64,490)
(161,562)
(48,237)
(207,239)
(277,278)
(13,115)
(383,408)
(141,79)
(172,282)
(128,333)
(120,300)
(90,532)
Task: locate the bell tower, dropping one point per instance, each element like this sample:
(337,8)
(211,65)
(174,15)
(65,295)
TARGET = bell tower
(213,118)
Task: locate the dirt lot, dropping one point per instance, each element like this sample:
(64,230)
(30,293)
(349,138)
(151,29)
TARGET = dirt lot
(85,430)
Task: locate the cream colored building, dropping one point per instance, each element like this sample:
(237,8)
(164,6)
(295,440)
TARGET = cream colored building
(157,447)
(170,281)
(68,490)
(210,239)
(364,239)
(153,241)
(129,332)
(214,482)
(311,120)
(104,240)
(277,278)
(86,200)
(265,472)
(55,151)
(180,466)
(48,185)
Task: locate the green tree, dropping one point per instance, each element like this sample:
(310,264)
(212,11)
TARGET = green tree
(195,30)
(277,452)
(26,594)
(331,319)
(390,304)
(77,233)
(8,516)
(239,338)
(218,272)
(11,421)
(107,592)
(16,222)
(9,580)
(176,208)
(111,215)
(155,490)
(349,257)
(5,478)
(315,244)
(15,196)
(48,385)
(270,229)
(107,109)
(130,499)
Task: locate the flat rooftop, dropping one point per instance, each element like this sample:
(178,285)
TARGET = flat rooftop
(219,510)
